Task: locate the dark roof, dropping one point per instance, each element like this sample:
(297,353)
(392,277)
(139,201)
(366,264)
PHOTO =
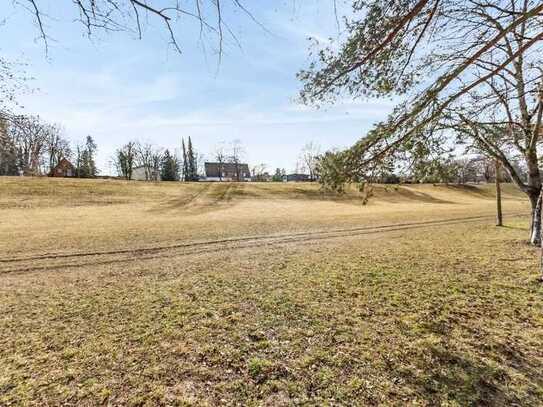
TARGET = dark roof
(213,169)
(61,169)
(64,163)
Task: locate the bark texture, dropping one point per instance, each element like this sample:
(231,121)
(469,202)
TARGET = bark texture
(499,216)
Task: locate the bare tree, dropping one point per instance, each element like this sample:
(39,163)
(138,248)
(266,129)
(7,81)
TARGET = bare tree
(466,169)
(237,154)
(149,157)
(57,147)
(300,167)
(221,157)
(309,157)
(31,146)
(144,155)
(29,134)
(259,172)
(485,168)
(8,151)
(156,160)
(125,159)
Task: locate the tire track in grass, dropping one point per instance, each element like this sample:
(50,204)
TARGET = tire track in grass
(244,238)
(50,261)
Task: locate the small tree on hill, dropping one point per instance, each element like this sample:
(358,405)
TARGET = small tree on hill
(170,167)
(221,158)
(125,159)
(86,166)
(57,147)
(279,174)
(8,151)
(185,170)
(237,152)
(308,157)
(192,162)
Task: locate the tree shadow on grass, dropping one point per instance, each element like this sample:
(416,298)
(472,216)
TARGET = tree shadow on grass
(475,380)
(455,377)
(217,195)
(471,190)
(402,194)
(389,194)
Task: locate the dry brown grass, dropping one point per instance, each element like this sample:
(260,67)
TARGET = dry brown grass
(447,314)
(41,215)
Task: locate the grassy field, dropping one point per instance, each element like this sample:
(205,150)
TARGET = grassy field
(115,293)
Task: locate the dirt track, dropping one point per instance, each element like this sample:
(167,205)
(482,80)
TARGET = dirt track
(52,261)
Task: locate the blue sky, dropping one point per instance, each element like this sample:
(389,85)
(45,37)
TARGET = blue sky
(118,88)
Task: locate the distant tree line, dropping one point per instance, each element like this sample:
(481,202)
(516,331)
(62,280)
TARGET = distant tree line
(157,163)
(32,147)
(435,170)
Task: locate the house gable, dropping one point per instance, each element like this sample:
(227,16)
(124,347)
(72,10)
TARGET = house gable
(227,171)
(63,169)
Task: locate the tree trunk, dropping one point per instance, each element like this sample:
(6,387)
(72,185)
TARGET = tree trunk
(499,217)
(539,203)
(535,237)
(534,185)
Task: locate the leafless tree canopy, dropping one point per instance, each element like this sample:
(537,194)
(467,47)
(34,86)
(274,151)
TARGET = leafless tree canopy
(237,155)
(133,15)
(13,81)
(221,157)
(308,157)
(30,135)
(149,157)
(57,146)
(125,159)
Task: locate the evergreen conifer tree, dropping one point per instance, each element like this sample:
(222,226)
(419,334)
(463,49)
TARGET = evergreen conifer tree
(170,167)
(86,164)
(192,165)
(185,174)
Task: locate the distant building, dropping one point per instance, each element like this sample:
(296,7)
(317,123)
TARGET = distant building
(64,168)
(297,178)
(227,172)
(141,173)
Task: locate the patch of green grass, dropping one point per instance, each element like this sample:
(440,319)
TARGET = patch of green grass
(448,315)
(440,316)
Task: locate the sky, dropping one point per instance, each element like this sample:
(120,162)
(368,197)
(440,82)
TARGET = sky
(118,88)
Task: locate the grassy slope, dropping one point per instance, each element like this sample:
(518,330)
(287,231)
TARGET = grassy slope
(449,315)
(85,214)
